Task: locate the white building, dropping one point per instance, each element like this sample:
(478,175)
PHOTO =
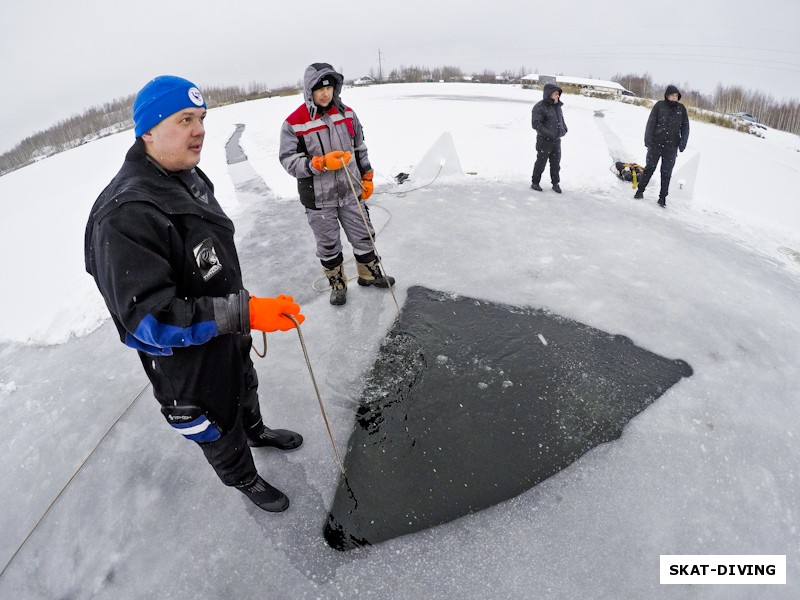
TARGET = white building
(599,85)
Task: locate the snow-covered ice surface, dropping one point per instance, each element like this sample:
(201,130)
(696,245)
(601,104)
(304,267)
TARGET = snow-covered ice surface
(710,468)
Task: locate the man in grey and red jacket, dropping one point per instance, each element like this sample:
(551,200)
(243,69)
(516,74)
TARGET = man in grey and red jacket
(548,121)
(322,145)
(666,133)
(162,253)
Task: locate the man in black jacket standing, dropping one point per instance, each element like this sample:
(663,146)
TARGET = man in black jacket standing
(162,253)
(548,121)
(667,132)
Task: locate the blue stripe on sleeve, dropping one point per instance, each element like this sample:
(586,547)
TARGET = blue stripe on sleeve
(132,342)
(154,335)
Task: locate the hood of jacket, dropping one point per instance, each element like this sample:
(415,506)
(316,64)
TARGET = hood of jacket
(671,89)
(312,75)
(549,88)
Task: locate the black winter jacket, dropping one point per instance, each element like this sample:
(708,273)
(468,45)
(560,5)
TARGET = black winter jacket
(546,117)
(161,251)
(668,124)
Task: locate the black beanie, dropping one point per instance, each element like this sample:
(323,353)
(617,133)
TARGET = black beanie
(324,81)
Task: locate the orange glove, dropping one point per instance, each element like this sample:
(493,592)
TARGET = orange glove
(367,187)
(267,314)
(331,161)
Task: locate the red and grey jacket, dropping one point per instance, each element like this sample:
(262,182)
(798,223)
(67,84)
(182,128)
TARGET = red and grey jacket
(310,132)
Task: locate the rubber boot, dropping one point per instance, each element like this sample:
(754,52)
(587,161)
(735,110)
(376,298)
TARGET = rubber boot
(369,273)
(283,439)
(264,495)
(338,284)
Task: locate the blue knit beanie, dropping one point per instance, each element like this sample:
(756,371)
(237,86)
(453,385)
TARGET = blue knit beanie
(161,97)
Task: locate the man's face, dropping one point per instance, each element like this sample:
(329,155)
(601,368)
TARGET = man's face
(554,96)
(323,96)
(175,143)
(673,97)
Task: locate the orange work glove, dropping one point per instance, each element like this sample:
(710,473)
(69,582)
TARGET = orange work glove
(267,314)
(367,187)
(331,161)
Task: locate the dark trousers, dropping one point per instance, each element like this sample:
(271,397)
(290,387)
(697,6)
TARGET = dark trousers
(667,156)
(220,378)
(230,456)
(547,150)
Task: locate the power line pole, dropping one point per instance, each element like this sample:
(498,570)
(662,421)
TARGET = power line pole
(380,69)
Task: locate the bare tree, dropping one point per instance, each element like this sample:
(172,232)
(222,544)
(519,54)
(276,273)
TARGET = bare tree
(115,116)
(111,117)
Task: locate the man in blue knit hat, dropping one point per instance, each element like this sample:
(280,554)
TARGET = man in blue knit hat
(161,251)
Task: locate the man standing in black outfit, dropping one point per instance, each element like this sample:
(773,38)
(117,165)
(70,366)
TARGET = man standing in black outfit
(548,121)
(666,133)
(162,253)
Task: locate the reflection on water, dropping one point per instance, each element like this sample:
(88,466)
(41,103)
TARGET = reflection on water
(470,403)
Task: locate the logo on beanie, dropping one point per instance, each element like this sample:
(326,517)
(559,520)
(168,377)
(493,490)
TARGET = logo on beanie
(195,96)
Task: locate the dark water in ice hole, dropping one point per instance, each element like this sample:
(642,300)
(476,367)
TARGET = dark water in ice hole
(467,406)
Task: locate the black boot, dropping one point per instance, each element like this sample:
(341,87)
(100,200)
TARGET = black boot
(338,284)
(662,202)
(638,195)
(264,495)
(283,439)
(536,186)
(556,188)
(370,273)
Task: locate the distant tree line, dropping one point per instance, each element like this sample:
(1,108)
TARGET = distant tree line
(95,122)
(783,115)
(113,117)
(418,74)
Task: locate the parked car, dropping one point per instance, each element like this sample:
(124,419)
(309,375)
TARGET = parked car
(746,116)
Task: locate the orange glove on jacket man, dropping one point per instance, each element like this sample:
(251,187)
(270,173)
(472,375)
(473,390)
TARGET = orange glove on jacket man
(162,253)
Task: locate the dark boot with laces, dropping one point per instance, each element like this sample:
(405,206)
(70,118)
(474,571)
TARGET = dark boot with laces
(338,284)
(264,495)
(283,439)
(369,273)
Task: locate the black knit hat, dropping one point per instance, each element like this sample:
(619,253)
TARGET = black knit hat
(324,81)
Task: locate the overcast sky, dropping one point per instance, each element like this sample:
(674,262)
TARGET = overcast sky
(59,58)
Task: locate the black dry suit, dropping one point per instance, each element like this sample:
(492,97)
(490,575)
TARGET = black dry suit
(667,131)
(162,253)
(548,121)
